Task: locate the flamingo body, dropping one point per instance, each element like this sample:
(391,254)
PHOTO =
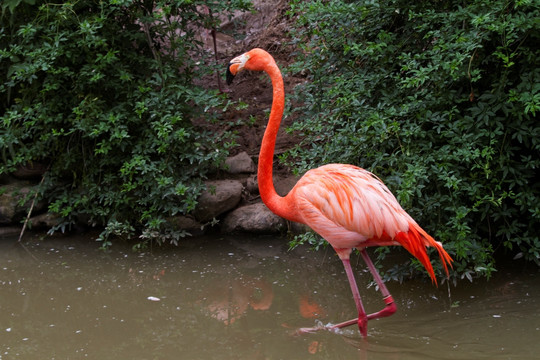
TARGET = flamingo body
(348,206)
(352,208)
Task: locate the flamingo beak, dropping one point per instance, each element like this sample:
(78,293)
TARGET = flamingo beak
(235,66)
(231,73)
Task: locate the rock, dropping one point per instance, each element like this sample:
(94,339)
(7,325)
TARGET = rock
(255,218)
(44,221)
(11,211)
(219,197)
(30,171)
(9,231)
(251,185)
(189,224)
(241,163)
(284,184)
(297,228)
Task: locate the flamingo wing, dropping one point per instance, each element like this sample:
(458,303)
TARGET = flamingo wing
(353,200)
(351,208)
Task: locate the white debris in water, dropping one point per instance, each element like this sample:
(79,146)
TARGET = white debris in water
(153,298)
(496,316)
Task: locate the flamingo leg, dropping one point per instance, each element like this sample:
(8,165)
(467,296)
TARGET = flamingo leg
(362,317)
(390,307)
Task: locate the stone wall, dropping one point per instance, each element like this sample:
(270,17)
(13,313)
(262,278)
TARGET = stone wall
(234,202)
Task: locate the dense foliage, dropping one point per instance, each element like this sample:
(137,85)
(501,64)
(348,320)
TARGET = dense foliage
(440,100)
(103,93)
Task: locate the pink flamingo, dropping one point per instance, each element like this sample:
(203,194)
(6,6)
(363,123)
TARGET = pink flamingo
(348,206)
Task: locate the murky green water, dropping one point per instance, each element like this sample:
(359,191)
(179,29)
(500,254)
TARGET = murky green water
(241,298)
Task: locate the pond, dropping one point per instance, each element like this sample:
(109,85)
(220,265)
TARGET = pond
(243,298)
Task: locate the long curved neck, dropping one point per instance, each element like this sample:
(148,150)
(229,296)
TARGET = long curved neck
(275,203)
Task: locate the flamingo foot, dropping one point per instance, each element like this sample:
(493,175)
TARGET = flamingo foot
(361,321)
(342,325)
(310,330)
(331,328)
(389,309)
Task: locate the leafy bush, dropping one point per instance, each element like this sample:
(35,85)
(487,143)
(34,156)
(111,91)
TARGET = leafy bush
(440,100)
(103,92)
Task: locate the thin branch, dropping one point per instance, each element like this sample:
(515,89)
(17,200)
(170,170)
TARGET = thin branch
(31,208)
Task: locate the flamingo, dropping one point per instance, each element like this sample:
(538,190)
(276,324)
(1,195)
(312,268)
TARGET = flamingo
(348,206)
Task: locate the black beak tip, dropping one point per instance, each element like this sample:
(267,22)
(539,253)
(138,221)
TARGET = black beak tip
(230,76)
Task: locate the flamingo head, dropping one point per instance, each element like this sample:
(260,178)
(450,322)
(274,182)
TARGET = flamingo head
(254,60)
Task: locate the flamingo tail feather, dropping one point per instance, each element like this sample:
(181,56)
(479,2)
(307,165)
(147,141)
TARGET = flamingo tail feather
(415,241)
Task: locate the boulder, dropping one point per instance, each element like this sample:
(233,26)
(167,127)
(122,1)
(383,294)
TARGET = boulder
(241,163)
(252,186)
(219,197)
(11,209)
(9,231)
(284,184)
(30,171)
(44,221)
(255,218)
(187,223)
